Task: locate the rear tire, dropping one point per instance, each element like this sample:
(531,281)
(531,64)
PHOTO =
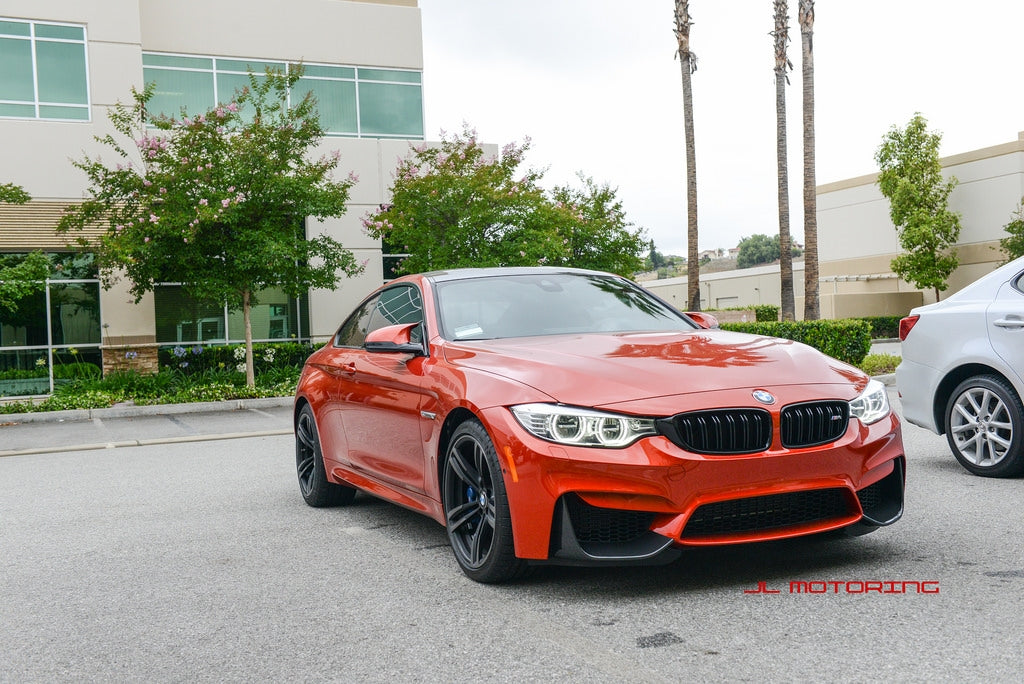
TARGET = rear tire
(476,508)
(314,486)
(984,423)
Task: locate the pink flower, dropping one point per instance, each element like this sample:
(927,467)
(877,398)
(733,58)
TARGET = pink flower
(204,201)
(147,182)
(224,203)
(153,218)
(232,107)
(145,239)
(231,188)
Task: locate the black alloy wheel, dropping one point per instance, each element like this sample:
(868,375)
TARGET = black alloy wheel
(476,508)
(316,489)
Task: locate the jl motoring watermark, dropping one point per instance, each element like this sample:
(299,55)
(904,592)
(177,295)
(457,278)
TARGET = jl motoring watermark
(851,587)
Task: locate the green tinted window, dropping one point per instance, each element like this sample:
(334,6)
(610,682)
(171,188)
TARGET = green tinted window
(178,62)
(335,101)
(15,28)
(61,73)
(16,75)
(390,110)
(328,72)
(192,90)
(382,102)
(389,75)
(39,73)
(60,32)
(245,66)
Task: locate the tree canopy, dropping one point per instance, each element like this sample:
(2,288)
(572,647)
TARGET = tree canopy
(911,178)
(1013,244)
(453,205)
(220,199)
(13,194)
(19,276)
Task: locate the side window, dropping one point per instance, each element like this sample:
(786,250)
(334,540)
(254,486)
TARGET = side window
(396,306)
(353,331)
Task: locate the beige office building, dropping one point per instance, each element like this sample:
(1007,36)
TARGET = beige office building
(64,63)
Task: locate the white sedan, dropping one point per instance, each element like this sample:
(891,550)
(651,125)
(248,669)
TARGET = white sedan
(961,374)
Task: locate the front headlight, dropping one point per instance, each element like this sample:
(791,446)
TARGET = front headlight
(582,427)
(872,405)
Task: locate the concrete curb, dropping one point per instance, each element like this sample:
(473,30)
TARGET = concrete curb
(94,446)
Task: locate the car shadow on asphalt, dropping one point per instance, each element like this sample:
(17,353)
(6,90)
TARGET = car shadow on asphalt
(699,569)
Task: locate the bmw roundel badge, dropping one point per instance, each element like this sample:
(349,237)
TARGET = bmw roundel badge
(763,397)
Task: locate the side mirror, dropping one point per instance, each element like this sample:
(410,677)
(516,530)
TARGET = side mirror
(704,320)
(394,339)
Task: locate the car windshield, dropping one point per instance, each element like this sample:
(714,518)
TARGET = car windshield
(519,305)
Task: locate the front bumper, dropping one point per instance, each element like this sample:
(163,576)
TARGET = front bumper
(644,503)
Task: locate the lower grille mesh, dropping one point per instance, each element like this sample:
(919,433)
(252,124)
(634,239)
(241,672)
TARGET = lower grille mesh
(759,513)
(605,525)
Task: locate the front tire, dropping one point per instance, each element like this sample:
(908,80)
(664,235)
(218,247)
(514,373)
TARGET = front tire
(984,423)
(476,508)
(316,489)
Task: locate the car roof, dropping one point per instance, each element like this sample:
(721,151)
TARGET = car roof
(468,273)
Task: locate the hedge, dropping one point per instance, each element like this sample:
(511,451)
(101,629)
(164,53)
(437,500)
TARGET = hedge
(847,340)
(196,359)
(883,327)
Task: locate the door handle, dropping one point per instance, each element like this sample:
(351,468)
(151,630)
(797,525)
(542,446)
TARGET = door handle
(348,368)
(1009,323)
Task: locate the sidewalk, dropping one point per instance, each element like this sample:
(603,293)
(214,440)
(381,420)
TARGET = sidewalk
(122,426)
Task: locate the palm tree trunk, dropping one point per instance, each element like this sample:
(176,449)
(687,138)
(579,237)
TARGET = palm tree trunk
(782,64)
(812,311)
(688,65)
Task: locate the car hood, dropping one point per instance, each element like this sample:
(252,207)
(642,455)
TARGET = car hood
(603,369)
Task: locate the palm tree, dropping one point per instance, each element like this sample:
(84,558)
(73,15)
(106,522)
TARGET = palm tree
(688,65)
(805,15)
(782,65)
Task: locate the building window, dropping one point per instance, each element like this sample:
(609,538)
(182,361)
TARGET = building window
(54,335)
(352,101)
(392,257)
(44,72)
(180,319)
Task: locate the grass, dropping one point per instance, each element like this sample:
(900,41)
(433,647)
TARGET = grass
(880,364)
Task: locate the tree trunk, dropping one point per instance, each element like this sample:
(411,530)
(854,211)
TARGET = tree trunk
(688,65)
(812,310)
(781,35)
(250,370)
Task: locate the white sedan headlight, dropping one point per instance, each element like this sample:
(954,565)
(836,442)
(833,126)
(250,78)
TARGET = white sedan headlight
(582,427)
(872,405)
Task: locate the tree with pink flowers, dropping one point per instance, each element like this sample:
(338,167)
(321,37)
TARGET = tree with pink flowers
(216,201)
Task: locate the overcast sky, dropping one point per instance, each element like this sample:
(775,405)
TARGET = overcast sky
(595,85)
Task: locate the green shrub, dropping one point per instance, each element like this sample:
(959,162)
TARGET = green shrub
(880,364)
(766,313)
(847,340)
(883,327)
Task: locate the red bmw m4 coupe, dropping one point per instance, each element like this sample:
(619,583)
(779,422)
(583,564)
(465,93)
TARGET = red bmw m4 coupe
(547,415)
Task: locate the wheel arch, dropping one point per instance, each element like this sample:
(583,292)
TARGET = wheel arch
(300,403)
(954,378)
(453,420)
